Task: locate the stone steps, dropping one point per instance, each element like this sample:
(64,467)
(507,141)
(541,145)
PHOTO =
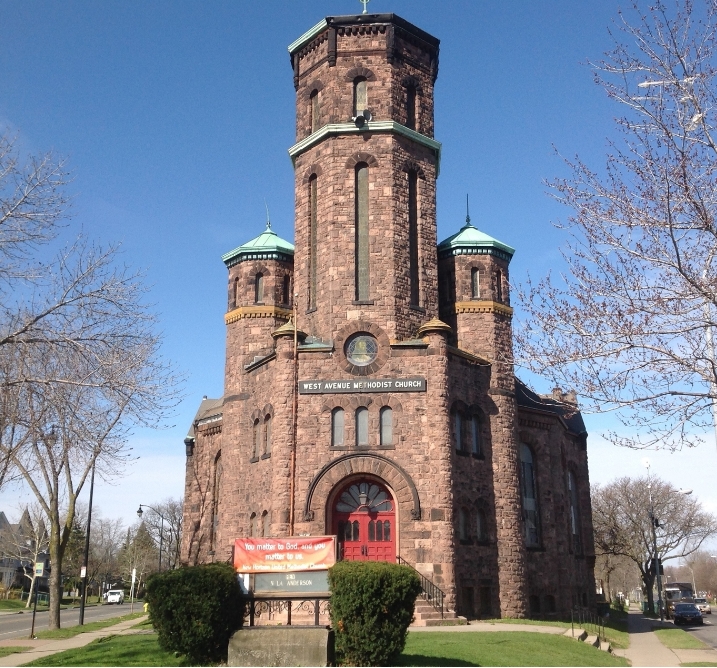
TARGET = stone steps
(425,614)
(582,636)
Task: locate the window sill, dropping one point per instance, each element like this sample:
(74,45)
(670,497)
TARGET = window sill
(478,456)
(390,446)
(415,307)
(363,302)
(462,453)
(310,310)
(266,455)
(253,460)
(338,447)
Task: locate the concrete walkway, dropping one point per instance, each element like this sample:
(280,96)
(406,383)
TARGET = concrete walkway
(647,650)
(474,626)
(41,648)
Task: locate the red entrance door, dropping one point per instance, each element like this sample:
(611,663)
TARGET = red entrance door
(364,520)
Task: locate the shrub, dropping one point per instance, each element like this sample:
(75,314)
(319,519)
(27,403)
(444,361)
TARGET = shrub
(371,608)
(195,610)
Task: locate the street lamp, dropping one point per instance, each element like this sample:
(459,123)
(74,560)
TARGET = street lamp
(86,558)
(140,512)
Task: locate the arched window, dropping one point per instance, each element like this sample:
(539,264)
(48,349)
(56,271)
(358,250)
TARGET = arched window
(286,290)
(235,292)
(267,435)
(475,283)
(361,248)
(360,95)
(362,426)
(499,286)
(481,529)
(265,524)
(216,498)
(315,111)
(574,513)
(462,524)
(259,288)
(253,526)
(458,430)
(476,441)
(529,497)
(337,427)
(313,198)
(256,440)
(550,603)
(413,271)
(386,426)
(411,107)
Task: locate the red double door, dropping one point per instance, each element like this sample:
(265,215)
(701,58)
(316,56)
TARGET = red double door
(364,520)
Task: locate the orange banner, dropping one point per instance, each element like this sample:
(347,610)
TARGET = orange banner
(267,555)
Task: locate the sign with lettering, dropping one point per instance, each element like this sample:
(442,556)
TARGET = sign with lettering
(314,582)
(275,555)
(362,385)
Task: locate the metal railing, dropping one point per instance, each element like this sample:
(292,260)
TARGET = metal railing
(429,591)
(271,608)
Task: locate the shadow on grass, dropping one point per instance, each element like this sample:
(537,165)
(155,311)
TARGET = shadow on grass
(421,660)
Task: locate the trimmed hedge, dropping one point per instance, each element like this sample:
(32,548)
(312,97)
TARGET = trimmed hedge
(195,610)
(372,606)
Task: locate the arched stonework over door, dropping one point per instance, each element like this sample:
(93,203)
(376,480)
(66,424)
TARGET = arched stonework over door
(363,518)
(354,465)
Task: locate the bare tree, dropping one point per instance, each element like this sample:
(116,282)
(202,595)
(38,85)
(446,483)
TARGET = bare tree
(171,529)
(629,324)
(106,541)
(140,553)
(622,524)
(80,364)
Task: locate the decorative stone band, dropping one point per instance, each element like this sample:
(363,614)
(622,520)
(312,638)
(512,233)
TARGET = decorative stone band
(256,312)
(334,129)
(484,307)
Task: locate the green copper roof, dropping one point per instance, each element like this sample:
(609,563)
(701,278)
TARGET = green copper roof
(471,241)
(267,246)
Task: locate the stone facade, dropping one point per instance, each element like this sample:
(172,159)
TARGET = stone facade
(487,482)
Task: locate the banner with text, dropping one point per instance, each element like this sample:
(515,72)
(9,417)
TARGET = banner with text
(271,555)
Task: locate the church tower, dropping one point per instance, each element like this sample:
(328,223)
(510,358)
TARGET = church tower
(365,165)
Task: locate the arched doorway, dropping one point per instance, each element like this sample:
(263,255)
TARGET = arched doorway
(364,520)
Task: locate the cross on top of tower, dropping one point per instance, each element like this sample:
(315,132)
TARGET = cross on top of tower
(364,3)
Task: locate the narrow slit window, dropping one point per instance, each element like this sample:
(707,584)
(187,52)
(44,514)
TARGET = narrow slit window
(475,283)
(386,426)
(337,427)
(362,426)
(315,111)
(267,435)
(530,497)
(498,286)
(413,237)
(259,288)
(457,429)
(476,445)
(411,107)
(266,524)
(286,290)
(256,448)
(236,292)
(312,240)
(360,95)
(361,243)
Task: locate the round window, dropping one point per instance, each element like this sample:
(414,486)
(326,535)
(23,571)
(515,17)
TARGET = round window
(361,349)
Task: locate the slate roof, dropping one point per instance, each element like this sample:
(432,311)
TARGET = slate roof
(568,412)
(209,408)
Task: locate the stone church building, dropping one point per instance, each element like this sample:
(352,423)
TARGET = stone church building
(396,422)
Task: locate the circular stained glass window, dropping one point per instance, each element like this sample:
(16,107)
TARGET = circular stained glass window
(361,349)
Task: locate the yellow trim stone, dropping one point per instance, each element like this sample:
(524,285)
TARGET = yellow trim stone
(484,307)
(256,312)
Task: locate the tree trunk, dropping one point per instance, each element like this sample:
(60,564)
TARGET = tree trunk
(32,587)
(648,581)
(55,576)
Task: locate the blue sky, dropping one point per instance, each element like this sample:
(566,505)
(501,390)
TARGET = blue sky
(176,117)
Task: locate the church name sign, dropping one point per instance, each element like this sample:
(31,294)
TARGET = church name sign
(352,386)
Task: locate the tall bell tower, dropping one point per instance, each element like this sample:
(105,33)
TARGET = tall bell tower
(366,165)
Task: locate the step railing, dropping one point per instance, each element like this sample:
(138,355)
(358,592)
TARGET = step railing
(429,591)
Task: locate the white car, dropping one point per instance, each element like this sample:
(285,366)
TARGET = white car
(703,606)
(115,596)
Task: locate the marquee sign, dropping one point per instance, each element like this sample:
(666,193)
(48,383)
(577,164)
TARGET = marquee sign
(272,555)
(362,386)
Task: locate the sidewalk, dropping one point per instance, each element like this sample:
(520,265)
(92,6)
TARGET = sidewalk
(42,648)
(647,650)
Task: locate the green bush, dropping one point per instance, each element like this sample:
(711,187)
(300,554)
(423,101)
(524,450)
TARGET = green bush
(371,608)
(195,610)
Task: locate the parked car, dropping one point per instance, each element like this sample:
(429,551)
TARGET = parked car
(703,606)
(687,613)
(115,596)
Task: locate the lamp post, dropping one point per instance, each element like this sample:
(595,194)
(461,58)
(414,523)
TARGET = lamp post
(140,512)
(86,558)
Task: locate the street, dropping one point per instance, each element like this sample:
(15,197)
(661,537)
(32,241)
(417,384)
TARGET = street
(706,633)
(18,625)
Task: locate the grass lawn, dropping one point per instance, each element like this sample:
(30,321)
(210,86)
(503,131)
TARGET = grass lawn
(679,639)
(92,626)
(114,651)
(699,663)
(4,651)
(615,629)
(501,649)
